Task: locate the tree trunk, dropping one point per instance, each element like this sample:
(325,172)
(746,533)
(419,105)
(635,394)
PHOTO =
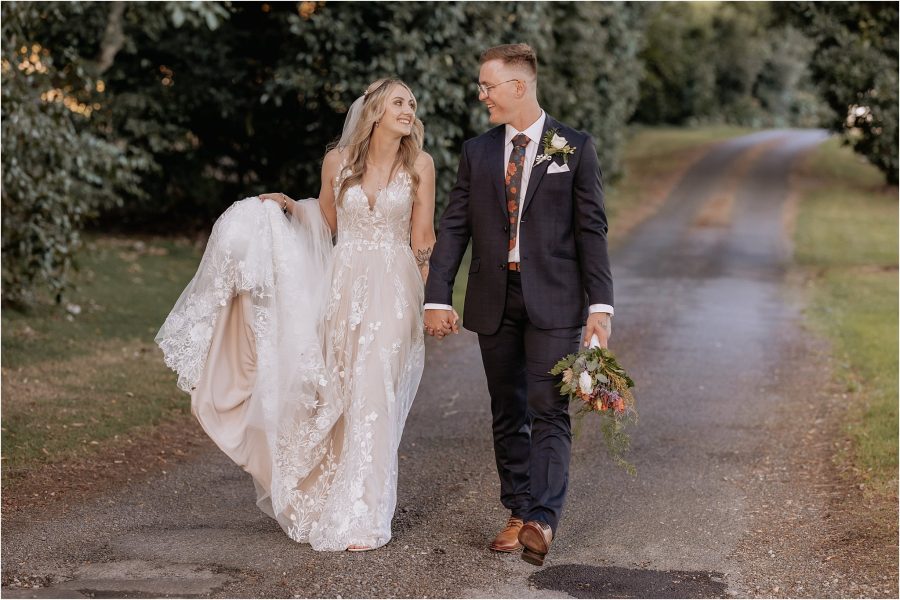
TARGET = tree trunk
(113,37)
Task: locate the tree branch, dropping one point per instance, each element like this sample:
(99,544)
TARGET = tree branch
(113,37)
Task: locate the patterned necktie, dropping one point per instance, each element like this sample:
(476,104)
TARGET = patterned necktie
(514,170)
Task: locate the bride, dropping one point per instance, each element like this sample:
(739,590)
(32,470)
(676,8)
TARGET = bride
(303,356)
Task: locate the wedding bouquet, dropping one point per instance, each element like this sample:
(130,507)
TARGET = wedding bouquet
(594,379)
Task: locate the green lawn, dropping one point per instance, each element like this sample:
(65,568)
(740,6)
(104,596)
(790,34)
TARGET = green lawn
(71,381)
(847,237)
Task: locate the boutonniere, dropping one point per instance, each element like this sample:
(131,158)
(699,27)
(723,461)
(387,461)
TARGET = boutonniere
(554,144)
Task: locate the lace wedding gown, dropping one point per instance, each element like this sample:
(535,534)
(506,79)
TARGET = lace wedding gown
(303,360)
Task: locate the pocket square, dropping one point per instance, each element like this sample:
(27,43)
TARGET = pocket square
(557,168)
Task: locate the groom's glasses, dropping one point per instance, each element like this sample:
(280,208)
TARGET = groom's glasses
(486,89)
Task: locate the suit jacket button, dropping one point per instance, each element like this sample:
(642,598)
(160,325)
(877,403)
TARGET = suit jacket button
(502,266)
(506,228)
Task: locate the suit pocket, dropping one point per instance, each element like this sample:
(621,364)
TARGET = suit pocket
(474,265)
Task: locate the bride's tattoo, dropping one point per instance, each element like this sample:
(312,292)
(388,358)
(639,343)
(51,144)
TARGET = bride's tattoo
(422,257)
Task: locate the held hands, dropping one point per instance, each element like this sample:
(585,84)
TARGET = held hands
(283,201)
(599,324)
(439,323)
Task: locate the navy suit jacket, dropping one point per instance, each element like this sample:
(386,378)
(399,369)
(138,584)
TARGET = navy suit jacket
(562,239)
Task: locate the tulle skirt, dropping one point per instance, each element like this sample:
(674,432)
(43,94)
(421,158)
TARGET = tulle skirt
(302,360)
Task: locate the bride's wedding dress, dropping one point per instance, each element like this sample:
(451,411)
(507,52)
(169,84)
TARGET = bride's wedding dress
(302,358)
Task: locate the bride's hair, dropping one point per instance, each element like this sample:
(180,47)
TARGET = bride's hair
(358,145)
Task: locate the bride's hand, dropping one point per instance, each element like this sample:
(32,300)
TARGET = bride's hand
(286,203)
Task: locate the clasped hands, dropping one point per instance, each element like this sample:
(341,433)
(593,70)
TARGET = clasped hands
(439,322)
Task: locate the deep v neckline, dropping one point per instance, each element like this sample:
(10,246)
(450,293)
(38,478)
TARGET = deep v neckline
(373,204)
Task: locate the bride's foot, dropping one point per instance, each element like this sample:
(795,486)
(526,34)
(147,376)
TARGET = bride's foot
(356,548)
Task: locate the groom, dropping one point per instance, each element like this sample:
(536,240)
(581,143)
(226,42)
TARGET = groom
(529,196)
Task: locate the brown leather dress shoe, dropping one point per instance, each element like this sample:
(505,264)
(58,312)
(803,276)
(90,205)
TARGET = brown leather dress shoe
(536,538)
(508,539)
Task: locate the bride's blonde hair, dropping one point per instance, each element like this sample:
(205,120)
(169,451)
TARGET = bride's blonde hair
(360,139)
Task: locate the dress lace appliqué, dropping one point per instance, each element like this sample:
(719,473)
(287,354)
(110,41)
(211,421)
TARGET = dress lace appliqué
(337,356)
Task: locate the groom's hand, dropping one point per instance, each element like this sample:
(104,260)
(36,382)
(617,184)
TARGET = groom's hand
(439,323)
(599,324)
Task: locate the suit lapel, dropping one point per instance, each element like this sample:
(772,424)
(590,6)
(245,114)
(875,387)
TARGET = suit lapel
(538,172)
(497,168)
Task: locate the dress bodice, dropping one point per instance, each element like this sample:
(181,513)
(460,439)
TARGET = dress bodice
(387,224)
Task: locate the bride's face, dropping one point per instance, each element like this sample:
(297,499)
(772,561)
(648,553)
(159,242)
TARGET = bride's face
(399,111)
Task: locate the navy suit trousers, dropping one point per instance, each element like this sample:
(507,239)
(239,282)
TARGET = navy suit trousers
(531,426)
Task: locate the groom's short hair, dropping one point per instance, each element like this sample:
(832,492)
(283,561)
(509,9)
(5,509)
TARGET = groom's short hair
(517,55)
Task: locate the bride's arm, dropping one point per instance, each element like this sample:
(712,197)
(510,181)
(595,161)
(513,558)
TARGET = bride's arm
(326,194)
(422,231)
(330,166)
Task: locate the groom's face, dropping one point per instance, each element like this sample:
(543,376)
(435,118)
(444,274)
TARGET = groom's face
(501,99)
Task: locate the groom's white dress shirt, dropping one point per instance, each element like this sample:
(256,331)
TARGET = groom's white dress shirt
(533,132)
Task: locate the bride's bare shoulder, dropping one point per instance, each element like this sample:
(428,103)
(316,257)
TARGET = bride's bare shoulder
(424,162)
(332,161)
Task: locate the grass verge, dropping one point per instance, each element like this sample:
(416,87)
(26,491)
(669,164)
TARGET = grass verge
(77,377)
(846,239)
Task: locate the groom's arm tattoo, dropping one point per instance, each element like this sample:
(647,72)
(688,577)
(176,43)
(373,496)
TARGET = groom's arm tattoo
(422,257)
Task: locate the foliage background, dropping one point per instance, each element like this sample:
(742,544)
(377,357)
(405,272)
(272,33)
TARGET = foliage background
(154,117)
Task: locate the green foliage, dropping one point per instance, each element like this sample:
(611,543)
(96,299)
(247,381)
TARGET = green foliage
(591,70)
(57,173)
(728,63)
(197,104)
(63,162)
(156,116)
(855,64)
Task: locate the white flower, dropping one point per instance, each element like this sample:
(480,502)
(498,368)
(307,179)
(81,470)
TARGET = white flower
(584,383)
(558,141)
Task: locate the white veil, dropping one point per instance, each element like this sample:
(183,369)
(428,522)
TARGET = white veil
(351,121)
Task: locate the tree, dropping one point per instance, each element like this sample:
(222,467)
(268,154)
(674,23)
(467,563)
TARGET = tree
(725,62)
(63,160)
(57,172)
(855,63)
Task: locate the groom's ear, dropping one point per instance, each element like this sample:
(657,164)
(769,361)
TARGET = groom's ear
(520,88)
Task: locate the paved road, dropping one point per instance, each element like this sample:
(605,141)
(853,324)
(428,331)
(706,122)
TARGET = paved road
(704,325)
